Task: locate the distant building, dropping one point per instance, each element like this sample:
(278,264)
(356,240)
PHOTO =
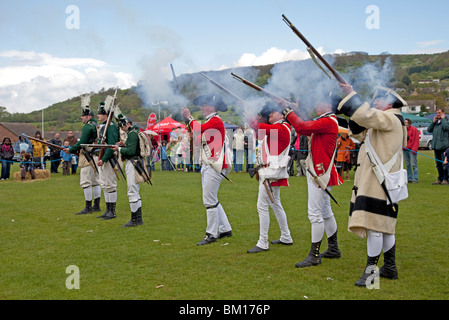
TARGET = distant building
(414,106)
(13,130)
(426,81)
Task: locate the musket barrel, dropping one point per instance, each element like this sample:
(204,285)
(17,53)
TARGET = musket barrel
(309,45)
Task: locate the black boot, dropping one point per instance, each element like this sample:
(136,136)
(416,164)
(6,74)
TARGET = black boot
(96,206)
(389,270)
(139,220)
(332,251)
(87,209)
(313,257)
(132,222)
(110,214)
(371,266)
(108,205)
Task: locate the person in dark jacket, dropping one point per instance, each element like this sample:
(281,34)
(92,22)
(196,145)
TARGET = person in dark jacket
(440,142)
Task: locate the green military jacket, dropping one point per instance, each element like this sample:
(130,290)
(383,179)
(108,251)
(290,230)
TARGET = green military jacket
(131,148)
(88,136)
(112,137)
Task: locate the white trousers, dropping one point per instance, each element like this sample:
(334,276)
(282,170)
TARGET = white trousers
(88,176)
(132,187)
(217,220)
(263,205)
(319,211)
(108,179)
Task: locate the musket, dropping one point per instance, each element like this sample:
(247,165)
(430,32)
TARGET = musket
(174,78)
(313,52)
(215,83)
(277,99)
(114,162)
(89,159)
(138,165)
(266,183)
(45,142)
(108,122)
(96,146)
(323,187)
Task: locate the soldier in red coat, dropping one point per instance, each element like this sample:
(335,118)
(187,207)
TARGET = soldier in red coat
(321,174)
(272,159)
(215,166)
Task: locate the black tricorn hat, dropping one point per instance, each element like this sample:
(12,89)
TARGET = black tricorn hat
(334,101)
(268,108)
(390,96)
(211,100)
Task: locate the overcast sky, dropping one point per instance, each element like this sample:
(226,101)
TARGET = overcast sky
(51,51)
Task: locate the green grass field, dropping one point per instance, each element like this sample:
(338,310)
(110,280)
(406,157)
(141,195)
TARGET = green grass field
(41,236)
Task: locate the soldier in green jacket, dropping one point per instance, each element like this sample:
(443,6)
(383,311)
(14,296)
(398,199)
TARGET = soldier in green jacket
(89,179)
(129,151)
(106,164)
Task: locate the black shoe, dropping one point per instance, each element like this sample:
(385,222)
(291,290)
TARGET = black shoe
(313,258)
(256,249)
(87,209)
(132,222)
(370,269)
(332,251)
(206,240)
(108,205)
(225,234)
(280,242)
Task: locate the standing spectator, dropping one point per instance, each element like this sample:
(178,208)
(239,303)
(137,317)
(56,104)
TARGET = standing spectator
(67,160)
(249,148)
(345,145)
(39,150)
(55,154)
(440,142)
(410,152)
(23,144)
(164,158)
(6,155)
(239,139)
(302,151)
(72,140)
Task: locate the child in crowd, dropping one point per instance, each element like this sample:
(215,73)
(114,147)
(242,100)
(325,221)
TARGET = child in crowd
(26,165)
(67,160)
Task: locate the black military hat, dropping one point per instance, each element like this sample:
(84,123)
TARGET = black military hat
(390,96)
(101,108)
(122,120)
(87,112)
(211,100)
(269,108)
(334,101)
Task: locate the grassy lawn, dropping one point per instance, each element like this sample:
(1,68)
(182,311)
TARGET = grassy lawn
(41,237)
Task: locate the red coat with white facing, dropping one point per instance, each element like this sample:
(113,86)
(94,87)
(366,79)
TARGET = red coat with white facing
(278,139)
(214,133)
(324,132)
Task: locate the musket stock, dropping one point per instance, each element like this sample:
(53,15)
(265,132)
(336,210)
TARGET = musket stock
(312,48)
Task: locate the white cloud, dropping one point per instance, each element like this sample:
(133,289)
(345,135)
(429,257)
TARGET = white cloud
(431,43)
(272,56)
(31,81)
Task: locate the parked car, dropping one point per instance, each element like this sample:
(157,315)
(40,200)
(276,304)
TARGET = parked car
(425,138)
